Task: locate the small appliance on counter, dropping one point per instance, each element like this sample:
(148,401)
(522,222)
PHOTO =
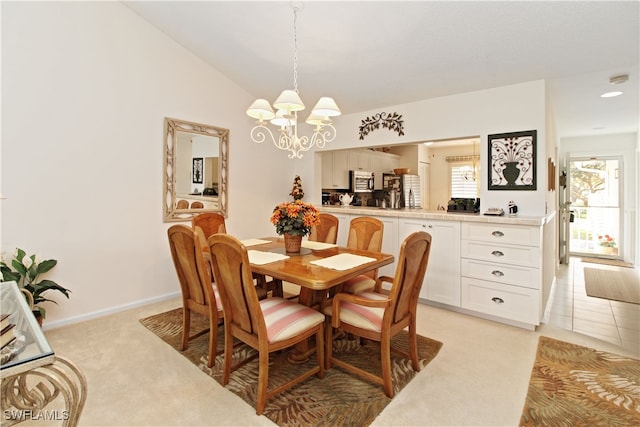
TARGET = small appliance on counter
(463,205)
(410,192)
(361,181)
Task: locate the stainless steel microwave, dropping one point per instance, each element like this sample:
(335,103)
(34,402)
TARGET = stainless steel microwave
(361,181)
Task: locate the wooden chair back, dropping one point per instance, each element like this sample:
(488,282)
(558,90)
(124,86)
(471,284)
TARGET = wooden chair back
(197,205)
(235,282)
(210,222)
(365,233)
(194,276)
(326,231)
(182,204)
(410,271)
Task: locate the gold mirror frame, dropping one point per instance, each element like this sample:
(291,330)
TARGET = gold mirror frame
(171,128)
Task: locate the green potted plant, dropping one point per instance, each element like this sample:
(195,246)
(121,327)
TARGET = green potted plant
(25,271)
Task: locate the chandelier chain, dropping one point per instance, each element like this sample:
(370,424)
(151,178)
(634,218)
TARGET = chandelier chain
(295,51)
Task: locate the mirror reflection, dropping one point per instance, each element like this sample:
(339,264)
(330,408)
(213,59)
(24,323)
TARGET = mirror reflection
(196,170)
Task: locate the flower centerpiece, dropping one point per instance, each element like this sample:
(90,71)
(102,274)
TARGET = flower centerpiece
(295,219)
(25,270)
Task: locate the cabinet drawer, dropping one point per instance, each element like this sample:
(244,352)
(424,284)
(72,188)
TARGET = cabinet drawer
(502,233)
(507,254)
(502,273)
(506,301)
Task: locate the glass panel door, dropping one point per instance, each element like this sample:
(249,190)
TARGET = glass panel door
(595,214)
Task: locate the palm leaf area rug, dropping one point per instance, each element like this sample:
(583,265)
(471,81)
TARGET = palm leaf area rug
(338,399)
(573,385)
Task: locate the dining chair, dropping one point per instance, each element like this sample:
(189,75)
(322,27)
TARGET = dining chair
(212,223)
(182,204)
(365,233)
(380,315)
(326,231)
(267,325)
(197,205)
(199,294)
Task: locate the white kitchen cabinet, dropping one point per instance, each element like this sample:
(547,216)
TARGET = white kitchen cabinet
(360,160)
(335,169)
(442,280)
(390,244)
(501,271)
(344,221)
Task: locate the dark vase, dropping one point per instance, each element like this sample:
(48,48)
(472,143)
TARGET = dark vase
(511,172)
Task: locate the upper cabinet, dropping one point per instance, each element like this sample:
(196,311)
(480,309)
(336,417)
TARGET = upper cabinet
(335,169)
(337,164)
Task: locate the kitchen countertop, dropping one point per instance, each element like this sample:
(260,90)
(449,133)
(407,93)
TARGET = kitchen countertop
(435,215)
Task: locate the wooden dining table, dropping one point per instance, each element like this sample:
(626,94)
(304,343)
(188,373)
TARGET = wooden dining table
(315,281)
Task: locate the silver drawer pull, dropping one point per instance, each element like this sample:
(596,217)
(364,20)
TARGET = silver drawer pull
(497,300)
(497,253)
(497,273)
(497,234)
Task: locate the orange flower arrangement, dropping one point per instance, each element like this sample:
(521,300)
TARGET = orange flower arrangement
(295,218)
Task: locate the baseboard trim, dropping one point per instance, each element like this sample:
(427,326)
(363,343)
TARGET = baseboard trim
(108,311)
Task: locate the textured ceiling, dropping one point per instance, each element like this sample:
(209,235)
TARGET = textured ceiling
(369,55)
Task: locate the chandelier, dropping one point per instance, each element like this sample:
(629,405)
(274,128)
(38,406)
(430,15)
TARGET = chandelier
(287,107)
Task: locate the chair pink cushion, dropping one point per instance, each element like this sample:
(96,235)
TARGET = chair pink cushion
(358,284)
(218,299)
(285,319)
(369,318)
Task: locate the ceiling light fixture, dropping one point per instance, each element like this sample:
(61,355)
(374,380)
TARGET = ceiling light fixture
(611,94)
(287,105)
(615,80)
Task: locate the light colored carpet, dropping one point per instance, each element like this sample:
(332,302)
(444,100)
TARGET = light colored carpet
(338,399)
(612,284)
(572,385)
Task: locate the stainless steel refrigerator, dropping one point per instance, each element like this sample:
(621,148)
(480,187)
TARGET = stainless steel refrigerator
(410,191)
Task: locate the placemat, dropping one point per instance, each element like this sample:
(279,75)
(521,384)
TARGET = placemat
(317,246)
(259,257)
(254,242)
(343,261)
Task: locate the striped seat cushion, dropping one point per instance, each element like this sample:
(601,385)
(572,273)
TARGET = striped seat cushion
(369,318)
(285,319)
(358,284)
(217,295)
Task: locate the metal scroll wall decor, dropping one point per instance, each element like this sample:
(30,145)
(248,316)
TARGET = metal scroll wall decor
(512,161)
(389,121)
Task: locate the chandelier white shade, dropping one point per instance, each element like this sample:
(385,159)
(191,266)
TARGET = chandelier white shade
(287,106)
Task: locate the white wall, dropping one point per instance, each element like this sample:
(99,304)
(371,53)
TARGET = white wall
(511,108)
(85,89)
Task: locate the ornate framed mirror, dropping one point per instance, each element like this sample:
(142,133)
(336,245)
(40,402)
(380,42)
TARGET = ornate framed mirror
(196,169)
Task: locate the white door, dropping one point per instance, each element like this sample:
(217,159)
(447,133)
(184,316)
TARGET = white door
(595,189)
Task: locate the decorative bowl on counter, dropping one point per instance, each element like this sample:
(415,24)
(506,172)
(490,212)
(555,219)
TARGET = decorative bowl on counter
(402,171)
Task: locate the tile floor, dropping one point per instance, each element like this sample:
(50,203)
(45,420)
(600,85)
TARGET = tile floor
(612,321)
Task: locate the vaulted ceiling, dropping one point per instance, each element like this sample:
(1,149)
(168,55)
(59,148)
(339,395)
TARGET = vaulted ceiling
(373,54)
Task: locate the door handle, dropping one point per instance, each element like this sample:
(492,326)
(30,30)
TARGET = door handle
(497,300)
(497,273)
(497,253)
(497,233)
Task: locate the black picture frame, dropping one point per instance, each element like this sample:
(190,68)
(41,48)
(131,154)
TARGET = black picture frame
(198,170)
(512,161)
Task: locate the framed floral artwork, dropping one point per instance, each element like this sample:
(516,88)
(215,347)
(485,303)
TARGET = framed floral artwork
(512,161)
(198,170)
